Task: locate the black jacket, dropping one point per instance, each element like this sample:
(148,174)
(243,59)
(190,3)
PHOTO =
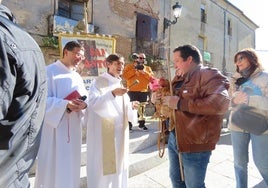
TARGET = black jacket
(23,93)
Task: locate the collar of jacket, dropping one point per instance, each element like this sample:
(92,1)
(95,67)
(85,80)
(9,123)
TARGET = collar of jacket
(6,13)
(256,73)
(192,71)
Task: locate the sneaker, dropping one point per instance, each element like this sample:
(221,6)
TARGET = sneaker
(143,128)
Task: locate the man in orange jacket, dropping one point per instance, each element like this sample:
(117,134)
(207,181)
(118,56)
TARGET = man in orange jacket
(137,76)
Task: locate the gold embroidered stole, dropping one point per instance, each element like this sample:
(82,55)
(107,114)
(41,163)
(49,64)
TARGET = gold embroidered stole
(108,133)
(108,147)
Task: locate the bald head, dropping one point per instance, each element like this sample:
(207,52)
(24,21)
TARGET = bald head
(142,55)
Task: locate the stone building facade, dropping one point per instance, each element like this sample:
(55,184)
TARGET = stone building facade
(217,28)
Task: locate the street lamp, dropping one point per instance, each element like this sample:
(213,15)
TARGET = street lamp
(176,13)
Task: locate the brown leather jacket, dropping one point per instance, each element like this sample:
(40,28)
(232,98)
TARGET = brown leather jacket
(203,102)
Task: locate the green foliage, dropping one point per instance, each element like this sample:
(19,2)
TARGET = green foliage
(50,41)
(155,62)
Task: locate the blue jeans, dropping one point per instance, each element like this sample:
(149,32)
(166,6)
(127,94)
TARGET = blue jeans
(194,165)
(240,142)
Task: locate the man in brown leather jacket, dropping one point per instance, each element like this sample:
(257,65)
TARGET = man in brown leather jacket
(200,102)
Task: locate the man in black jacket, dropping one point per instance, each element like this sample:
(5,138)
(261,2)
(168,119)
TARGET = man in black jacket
(22,101)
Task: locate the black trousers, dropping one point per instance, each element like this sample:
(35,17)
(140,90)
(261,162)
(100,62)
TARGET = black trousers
(138,96)
(141,97)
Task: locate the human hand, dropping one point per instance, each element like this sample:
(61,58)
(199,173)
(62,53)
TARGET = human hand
(119,91)
(135,105)
(178,72)
(171,101)
(141,72)
(156,97)
(240,98)
(76,105)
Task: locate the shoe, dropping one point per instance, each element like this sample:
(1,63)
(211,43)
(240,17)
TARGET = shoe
(143,128)
(130,127)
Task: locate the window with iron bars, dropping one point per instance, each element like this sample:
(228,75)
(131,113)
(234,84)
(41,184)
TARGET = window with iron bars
(73,9)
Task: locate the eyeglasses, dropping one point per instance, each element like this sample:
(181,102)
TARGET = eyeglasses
(79,55)
(141,57)
(239,59)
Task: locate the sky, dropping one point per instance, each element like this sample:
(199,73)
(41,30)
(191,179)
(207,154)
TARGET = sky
(256,10)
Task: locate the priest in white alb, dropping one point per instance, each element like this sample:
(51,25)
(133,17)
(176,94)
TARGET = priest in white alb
(108,109)
(58,160)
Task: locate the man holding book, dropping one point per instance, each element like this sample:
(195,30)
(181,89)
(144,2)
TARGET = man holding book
(58,162)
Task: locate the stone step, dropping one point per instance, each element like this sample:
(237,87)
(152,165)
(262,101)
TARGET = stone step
(144,160)
(140,162)
(143,152)
(143,155)
(143,149)
(139,140)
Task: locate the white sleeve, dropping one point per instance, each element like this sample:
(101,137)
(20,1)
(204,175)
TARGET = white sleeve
(55,110)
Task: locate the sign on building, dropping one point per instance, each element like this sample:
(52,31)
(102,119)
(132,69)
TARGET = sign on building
(207,56)
(97,48)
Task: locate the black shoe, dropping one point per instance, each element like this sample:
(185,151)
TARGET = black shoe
(143,128)
(130,127)
(141,123)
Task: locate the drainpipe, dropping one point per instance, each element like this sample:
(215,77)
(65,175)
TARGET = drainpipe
(91,12)
(55,6)
(224,71)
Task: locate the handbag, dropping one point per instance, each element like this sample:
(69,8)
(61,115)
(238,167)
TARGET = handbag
(247,118)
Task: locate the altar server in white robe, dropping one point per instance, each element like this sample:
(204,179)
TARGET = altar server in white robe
(58,160)
(107,133)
